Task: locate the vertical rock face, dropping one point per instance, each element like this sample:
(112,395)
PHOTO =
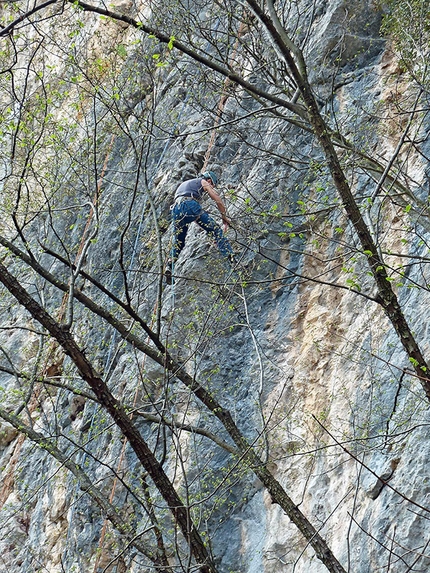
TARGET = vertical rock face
(291,341)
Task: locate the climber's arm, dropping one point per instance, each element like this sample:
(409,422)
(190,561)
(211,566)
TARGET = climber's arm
(219,202)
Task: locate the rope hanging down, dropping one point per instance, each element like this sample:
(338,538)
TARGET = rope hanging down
(134,252)
(220,109)
(224,96)
(219,112)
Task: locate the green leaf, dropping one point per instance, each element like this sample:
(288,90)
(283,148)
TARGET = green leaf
(121,51)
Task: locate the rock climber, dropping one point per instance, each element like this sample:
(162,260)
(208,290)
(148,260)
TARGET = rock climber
(187,208)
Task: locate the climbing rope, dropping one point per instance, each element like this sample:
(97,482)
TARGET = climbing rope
(220,109)
(224,97)
(134,252)
(109,360)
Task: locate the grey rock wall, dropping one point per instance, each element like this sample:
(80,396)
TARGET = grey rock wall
(318,367)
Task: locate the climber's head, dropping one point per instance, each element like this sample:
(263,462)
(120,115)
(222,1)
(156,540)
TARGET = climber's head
(210,176)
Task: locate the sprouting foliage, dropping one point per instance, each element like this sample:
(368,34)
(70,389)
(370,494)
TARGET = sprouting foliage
(408,25)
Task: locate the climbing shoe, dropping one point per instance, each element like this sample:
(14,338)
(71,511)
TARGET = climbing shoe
(168,273)
(232,260)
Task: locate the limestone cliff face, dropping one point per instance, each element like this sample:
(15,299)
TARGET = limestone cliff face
(312,371)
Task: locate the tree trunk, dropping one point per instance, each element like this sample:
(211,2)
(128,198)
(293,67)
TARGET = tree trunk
(121,418)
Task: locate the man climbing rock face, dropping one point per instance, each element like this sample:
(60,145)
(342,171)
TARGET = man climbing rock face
(187,209)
